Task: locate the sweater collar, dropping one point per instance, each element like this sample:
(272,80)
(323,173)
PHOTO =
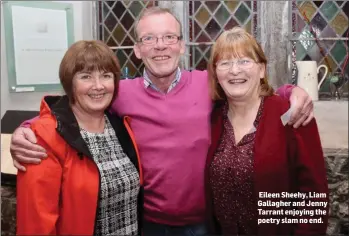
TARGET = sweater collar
(149,83)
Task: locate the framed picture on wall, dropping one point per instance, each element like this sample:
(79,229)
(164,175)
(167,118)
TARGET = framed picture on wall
(37,34)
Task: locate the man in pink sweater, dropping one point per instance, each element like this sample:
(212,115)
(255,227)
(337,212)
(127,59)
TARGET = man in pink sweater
(170,110)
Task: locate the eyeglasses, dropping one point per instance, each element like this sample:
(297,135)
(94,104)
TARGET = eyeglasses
(167,39)
(243,64)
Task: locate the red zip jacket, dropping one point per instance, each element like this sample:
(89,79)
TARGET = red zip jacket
(60,195)
(285,160)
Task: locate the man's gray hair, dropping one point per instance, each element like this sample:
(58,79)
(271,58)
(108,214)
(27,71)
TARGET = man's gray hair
(155,11)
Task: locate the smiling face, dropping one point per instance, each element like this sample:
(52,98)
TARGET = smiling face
(93,91)
(237,67)
(242,80)
(88,70)
(160,59)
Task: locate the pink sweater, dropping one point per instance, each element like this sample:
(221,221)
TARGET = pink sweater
(172,133)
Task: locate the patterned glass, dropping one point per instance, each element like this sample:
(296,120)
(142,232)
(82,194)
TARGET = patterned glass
(116,24)
(208,19)
(321,19)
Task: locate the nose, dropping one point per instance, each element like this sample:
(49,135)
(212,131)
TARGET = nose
(160,44)
(234,68)
(98,84)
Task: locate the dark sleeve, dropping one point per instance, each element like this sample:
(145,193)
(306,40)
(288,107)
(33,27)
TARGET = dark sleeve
(310,174)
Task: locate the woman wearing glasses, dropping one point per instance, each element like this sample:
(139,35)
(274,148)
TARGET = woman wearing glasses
(252,153)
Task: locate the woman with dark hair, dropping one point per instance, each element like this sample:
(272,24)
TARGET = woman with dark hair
(91,180)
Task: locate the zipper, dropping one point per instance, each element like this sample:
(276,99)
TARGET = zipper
(98,198)
(99,190)
(127,120)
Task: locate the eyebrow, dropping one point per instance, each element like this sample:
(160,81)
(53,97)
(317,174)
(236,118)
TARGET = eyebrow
(151,34)
(237,58)
(83,72)
(89,72)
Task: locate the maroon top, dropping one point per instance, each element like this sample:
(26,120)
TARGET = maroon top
(231,178)
(284,160)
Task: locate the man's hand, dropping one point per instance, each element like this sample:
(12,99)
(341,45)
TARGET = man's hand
(303,107)
(24,148)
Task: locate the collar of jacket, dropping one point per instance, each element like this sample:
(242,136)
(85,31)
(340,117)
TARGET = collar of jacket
(68,127)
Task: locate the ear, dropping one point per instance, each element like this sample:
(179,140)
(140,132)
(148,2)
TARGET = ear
(182,51)
(137,50)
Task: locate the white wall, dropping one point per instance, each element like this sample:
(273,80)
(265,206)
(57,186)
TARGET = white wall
(31,100)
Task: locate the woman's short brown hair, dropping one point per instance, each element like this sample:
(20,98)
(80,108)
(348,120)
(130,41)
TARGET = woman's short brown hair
(235,43)
(87,55)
